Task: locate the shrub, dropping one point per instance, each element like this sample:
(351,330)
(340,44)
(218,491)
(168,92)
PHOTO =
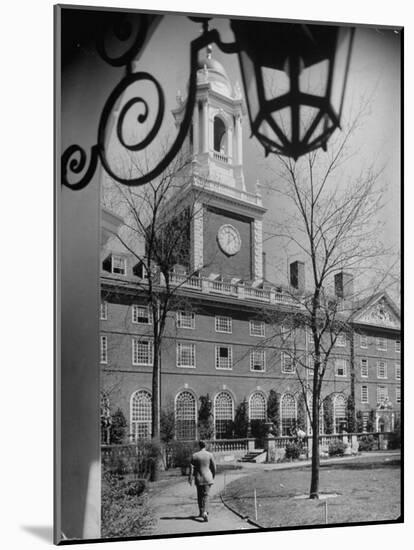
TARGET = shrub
(181,454)
(359,422)
(205,418)
(119,465)
(367,443)
(336,448)
(125,510)
(241,420)
(117,429)
(351,414)
(293,450)
(273,411)
(151,456)
(328,415)
(394,442)
(259,430)
(371,421)
(167,425)
(301,420)
(140,459)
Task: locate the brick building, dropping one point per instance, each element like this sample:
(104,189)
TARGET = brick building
(229,341)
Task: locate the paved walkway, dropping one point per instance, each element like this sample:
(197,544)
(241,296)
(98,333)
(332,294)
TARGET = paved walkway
(175,500)
(176,507)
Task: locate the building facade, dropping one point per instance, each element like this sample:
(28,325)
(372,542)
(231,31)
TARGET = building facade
(231,338)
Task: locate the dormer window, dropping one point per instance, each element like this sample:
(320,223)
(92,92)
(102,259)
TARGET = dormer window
(139,270)
(118,265)
(115,263)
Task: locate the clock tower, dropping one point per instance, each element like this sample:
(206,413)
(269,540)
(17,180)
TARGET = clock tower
(226,236)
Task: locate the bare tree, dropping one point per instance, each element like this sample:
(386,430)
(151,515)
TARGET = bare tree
(332,222)
(158,221)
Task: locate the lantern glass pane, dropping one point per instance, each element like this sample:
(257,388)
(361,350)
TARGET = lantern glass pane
(268,133)
(283,118)
(313,80)
(340,69)
(275,83)
(307,116)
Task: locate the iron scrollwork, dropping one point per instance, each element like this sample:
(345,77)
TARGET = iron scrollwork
(74,159)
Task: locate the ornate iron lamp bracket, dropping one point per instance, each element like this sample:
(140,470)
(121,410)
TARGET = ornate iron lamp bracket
(74,158)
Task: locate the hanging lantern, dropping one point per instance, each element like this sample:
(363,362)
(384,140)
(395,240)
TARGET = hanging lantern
(294,80)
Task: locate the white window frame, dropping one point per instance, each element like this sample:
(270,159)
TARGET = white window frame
(364,369)
(364,394)
(191,349)
(254,353)
(103,311)
(284,407)
(104,350)
(135,353)
(218,358)
(114,258)
(223,319)
(185,415)
(291,369)
(344,365)
(218,410)
(287,333)
(257,328)
(144,420)
(398,394)
(340,341)
(363,341)
(185,320)
(397,346)
(380,365)
(381,343)
(398,370)
(136,315)
(385,393)
(311,365)
(257,413)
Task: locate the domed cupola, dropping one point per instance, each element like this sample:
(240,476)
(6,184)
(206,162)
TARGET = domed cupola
(215,137)
(212,71)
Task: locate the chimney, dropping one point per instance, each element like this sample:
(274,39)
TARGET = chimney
(344,286)
(297,275)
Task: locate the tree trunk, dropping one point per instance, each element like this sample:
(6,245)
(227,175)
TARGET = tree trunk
(155,426)
(156,405)
(352,392)
(314,487)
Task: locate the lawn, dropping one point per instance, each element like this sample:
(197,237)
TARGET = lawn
(367,489)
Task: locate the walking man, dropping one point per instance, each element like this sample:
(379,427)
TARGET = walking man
(203,470)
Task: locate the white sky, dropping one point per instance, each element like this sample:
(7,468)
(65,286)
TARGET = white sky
(374,73)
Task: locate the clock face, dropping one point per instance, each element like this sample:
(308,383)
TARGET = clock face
(229,239)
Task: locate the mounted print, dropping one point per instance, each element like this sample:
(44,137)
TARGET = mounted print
(228,329)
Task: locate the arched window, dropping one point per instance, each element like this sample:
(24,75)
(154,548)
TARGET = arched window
(220,144)
(339,413)
(141,415)
(257,406)
(185,415)
(223,415)
(288,414)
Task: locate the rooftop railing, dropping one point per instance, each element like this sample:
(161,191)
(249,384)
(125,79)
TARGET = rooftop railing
(235,192)
(239,291)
